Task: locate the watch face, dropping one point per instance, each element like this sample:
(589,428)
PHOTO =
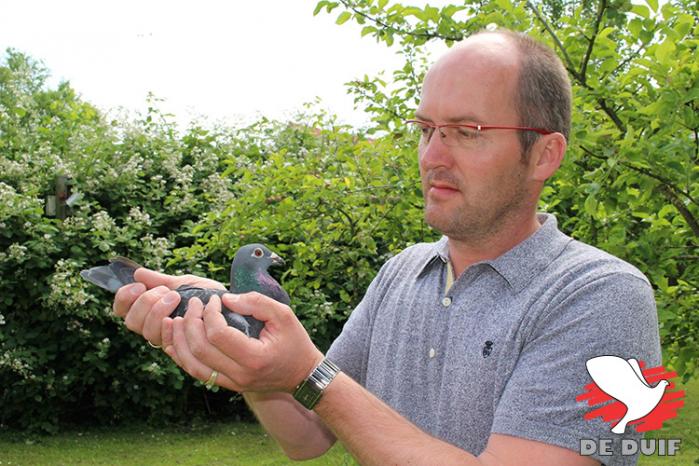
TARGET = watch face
(308,394)
(311,390)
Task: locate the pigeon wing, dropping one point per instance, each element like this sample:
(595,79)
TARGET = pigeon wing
(637,369)
(270,287)
(248,325)
(612,375)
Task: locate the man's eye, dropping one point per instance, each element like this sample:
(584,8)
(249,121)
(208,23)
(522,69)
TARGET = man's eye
(468,133)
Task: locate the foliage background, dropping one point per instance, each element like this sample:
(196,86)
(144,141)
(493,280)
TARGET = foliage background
(335,201)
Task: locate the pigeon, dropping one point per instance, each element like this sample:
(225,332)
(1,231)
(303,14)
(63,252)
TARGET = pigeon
(623,380)
(248,273)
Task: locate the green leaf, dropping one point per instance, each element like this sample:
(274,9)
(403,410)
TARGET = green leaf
(450,10)
(416,12)
(343,17)
(664,50)
(368,30)
(319,6)
(590,205)
(641,10)
(635,25)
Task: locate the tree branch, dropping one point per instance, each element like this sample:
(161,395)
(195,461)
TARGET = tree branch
(668,189)
(569,63)
(591,41)
(423,35)
(631,56)
(679,205)
(648,173)
(570,66)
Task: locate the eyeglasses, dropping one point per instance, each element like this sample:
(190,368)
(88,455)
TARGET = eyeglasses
(461,135)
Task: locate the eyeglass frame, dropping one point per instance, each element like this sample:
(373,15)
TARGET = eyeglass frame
(476,127)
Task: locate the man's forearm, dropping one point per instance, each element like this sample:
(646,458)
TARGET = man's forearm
(375,434)
(299,432)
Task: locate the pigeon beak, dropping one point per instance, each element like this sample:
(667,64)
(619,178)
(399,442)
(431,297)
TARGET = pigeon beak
(276,260)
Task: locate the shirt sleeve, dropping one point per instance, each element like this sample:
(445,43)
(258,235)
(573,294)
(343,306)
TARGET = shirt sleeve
(611,315)
(350,350)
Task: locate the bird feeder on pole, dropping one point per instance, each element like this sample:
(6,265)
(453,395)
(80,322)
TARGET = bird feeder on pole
(59,205)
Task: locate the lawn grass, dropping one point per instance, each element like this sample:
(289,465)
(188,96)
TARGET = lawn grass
(245,444)
(685,427)
(210,444)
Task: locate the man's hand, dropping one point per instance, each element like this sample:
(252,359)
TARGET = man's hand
(144,304)
(278,361)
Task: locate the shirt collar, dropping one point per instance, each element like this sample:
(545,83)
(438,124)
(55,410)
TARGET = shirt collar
(522,263)
(440,250)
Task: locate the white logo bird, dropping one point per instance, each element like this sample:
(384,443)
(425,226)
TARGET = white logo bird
(622,380)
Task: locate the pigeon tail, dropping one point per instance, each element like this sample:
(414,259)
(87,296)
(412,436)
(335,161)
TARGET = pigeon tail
(111,277)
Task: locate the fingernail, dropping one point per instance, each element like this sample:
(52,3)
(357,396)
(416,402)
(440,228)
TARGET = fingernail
(232,297)
(137,289)
(170,297)
(196,301)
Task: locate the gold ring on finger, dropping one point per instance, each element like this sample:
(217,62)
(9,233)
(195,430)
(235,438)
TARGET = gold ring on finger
(154,346)
(212,379)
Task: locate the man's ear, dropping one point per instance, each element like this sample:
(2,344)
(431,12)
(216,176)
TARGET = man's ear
(546,156)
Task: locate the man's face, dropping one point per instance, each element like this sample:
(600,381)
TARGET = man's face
(471,189)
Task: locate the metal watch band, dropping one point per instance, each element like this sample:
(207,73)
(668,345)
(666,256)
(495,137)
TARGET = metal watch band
(309,392)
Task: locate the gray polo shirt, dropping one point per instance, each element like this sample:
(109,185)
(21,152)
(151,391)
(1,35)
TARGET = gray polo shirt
(504,349)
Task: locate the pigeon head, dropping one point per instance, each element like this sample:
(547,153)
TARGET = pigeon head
(249,272)
(254,257)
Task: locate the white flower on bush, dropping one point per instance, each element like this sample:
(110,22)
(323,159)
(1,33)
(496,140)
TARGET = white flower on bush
(132,167)
(184,176)
(153,368)
(171,162)
(66,286)
(217,189)
(15,364)
(102,222)
(75,223)
(2,319)
(204,160)
(17,252)
(156,250)
(138,217)
(16,203)
(12,169)
(103,347)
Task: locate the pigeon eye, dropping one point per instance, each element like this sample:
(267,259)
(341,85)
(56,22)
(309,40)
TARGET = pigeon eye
(258,252)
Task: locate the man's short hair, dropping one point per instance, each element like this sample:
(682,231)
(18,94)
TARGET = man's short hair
(543,94)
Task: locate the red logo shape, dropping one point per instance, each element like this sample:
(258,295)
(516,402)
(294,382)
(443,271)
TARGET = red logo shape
(615,411)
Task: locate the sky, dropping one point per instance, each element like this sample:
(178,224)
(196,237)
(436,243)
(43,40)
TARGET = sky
(227,61)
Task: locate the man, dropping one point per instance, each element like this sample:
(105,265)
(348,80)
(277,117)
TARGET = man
(470,350)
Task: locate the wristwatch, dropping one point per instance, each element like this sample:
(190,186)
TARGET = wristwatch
(309,392)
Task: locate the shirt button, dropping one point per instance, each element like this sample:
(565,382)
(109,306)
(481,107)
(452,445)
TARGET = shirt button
(432,352)
(446,302)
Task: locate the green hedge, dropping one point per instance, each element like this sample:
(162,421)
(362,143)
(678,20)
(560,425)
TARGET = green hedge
(334,204)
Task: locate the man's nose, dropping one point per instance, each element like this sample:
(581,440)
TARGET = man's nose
(435,153)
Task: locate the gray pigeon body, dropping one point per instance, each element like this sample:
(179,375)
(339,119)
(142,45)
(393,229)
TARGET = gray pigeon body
(248,273)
